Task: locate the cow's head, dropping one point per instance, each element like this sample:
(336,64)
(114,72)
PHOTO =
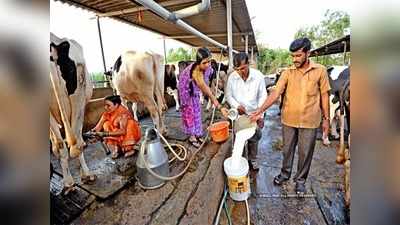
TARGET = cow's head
(60,55)
(59,52)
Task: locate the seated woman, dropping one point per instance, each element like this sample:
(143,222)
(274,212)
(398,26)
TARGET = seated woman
(121,131)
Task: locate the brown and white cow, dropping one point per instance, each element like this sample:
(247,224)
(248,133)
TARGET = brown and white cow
(138,77)
(71,89)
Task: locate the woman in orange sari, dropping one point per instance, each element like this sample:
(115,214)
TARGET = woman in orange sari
(121,131)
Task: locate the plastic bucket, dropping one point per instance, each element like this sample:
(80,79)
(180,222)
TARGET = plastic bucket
(237,171)
(219,131)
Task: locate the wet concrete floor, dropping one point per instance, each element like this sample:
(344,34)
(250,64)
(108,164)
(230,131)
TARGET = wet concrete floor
(269,204)
(279,205)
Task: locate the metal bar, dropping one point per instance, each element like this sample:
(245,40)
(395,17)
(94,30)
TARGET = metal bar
(165,52)
(209,35)
(169,16)
(193,10)
(141,8)
(101,44)
(229,30)
(165,14)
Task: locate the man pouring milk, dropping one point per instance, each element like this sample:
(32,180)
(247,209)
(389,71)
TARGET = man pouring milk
(246,92)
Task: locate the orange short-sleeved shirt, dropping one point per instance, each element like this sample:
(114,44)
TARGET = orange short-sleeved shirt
(302,100)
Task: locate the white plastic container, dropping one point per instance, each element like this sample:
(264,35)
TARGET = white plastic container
(237,172)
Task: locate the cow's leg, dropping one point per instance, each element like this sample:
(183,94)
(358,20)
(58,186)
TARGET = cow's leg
(223,100)
(340,155)
(208,107)
(78,103)
(134,110)
(55,137)
(161,106)
(151,105)
(68,181)
(159,93)
(347,190)
(131,106)
(58,146)
(325,139)
(201,98)
(334,122)
(86,175)
(175,95)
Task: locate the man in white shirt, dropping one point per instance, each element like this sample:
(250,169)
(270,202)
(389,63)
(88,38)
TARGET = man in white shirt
(246,92)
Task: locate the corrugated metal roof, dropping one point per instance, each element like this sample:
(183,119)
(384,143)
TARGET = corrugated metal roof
(334,47)
(211,22)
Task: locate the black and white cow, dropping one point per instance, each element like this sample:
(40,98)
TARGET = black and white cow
(339,80)
(70,92)
(170,83)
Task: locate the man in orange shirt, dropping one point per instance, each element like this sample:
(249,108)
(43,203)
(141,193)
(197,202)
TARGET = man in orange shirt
(306,87)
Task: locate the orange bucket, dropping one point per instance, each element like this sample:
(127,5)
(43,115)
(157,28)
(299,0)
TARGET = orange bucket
(219,131)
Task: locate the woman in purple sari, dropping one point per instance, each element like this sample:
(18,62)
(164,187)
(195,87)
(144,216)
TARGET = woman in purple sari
(192,81)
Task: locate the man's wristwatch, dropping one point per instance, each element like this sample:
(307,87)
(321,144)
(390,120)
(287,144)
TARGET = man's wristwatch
(325,118)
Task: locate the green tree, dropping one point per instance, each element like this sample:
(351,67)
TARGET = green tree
(269,60)
(335,25)
(180,54)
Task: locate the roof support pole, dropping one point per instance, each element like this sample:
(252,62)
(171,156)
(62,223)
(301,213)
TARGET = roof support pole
(229,28)
(165,51)
(252,55)
(344,52)
(247,44)
(102,51)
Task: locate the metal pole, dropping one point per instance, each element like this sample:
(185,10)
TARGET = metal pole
(165,14)
(229,28)
(247,44)
(165,52)
(101,44)
(252,55)
(344,53)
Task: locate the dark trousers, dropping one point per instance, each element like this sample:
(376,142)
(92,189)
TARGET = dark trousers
(252,145)
(304,139)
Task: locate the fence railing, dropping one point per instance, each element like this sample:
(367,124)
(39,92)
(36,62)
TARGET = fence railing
(101,83)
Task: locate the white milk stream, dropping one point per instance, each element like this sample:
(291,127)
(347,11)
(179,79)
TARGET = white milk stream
(236,167)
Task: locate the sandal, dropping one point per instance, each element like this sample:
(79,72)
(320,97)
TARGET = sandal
(129,153)
(195,143)
(200,140)
(114,154)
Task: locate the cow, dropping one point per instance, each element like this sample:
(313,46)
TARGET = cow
(340,107)
(139,77)
(339,81)
(170,83)
(71,89)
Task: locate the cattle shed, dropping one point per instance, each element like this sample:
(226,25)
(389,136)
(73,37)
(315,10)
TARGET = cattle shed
(340,45)
(225,22)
